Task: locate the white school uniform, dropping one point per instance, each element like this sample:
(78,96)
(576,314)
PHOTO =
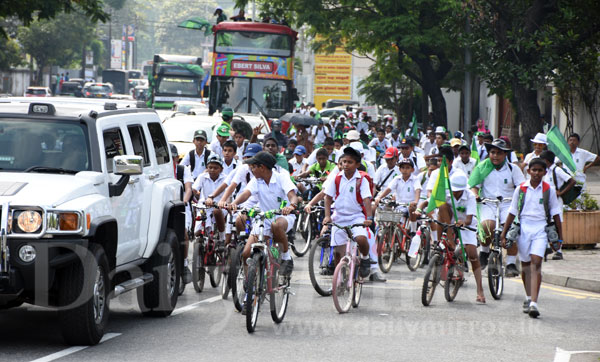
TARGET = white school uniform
(199,165)
(499,183)
(533,238)
(384,173)
(581,157)
(561,178)
(382,145)
(297,166)
(187,177)
(404,190)
(467,205)
(271,196)
(347,210)
(417,160)
(466,167)
(227,169)
(207,186)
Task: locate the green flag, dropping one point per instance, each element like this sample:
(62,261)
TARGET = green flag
(438,194)
(415,131)
(560,147)
(474,151)
(480,172)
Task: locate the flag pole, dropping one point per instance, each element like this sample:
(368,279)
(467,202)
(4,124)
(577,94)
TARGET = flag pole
(455,213)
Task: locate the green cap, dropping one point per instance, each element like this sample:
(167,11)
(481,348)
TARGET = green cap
(223,131)
(227,112)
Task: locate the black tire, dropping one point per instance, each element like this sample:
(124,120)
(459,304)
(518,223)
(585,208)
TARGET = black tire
(431,279)
(343,296)
(215,275)
(279,297)
(301,246)
(198,268)
(254,289)
(236,278)
(495,274)
(181,287)
(86,285)
(453,283)
(357,293)
(321,283)
(159,297)
(225,286)
(385,250)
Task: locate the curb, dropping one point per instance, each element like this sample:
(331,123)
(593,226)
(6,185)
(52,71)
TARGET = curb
(570,282)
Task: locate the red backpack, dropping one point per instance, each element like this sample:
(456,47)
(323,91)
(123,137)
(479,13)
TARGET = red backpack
(359,199)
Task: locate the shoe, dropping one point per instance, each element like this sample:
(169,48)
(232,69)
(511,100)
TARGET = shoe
(287,266)
(534,312)
(557,256)
(187,275)
(365,268)
(376,276)
(327,270)
(511,271)
(483,259)
(526,306)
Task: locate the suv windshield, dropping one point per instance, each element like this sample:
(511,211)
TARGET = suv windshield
(40,143)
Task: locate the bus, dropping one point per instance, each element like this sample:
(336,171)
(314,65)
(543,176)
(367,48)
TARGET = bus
(119,79)
(175,78)
(253,68)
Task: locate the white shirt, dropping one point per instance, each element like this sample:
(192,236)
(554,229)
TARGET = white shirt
(319,135)
(395,142)
(466,205)
(240,150)
(501,182)
(466,167)
(345,202)
(562,177)
(207,186)
(404,190)
(581,157)
(271,196)
(215,146)
(418,162)
(434,150)
(382,173)
(297,166)
(333,157)
(533,204)
(427,145)
(362,127)
(482,152)
(187,175)
(382,145)
(227,169)
(199,166)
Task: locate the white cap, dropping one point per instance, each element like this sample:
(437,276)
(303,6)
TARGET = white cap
(357,146)
(459,182)
(540,138)
(440,129)
(353,135)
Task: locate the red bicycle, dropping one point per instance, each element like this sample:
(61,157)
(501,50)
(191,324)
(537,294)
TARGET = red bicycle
(208,253)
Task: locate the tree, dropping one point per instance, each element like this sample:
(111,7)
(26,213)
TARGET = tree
(10,54)
(417,30)
(519,46)
(30,10)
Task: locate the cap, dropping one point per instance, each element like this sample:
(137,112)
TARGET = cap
(464,147)
(352,151)
(458,134)
(320,121)
(455,142)
(227,112)
(499,144)
(540,138)
(391,152)
(262,158)
(252,149)
(217,9)
(223,131)
(458,181)
(440,129)
(214,158)
(406,161)
(395,131)
(353,135)
(406,142)
(174,152)
(300,150)
(357,146)
(200,134)
(276,122)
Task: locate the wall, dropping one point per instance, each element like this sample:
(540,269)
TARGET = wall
(15,82)
(453,108)
(581,123)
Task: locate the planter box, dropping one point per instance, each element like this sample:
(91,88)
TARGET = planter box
(581,227)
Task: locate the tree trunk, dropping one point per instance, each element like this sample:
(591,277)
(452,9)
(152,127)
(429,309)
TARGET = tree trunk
(438,105)
(527,114)
(425,108)
(82,72)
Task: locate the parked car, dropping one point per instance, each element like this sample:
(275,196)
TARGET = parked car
(71,89)
(38,92)
(90,210)
(98,90)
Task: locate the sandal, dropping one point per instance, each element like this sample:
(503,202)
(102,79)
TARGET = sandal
(480,300)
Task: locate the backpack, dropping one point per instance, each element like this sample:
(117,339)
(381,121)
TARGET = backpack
(359,199)
(546,189)
(193,157)
(570,195)
(179,174)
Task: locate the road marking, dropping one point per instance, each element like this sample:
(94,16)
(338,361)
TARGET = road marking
(192,306)
(564,292)
(71,350)
(562,355)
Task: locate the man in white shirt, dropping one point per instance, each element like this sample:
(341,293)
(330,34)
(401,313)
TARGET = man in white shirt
(407,152)
(298,161)
(197,158)
(428,142)
(319,133)
(464,162)
(386,172)
(583,159)
(395,139)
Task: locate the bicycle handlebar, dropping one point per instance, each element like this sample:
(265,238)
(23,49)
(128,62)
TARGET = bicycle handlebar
(497,201)
(446,226)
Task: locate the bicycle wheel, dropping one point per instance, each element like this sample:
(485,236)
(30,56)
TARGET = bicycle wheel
(279,296)
(414,263)
(431,279)
(342,292)
(386,252)
(236,278)
(302,245)
(198,270)
(495,274)
(453,283)
(216,272)
(254,283)
(320,270)
(357,292)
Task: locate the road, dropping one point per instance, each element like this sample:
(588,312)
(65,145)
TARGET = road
(389,324)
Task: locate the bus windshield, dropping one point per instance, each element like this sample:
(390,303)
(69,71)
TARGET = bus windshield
(180,86)
(245,95)
(253,43)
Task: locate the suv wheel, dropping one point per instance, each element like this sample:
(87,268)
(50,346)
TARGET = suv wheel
(83,297)
(158,298)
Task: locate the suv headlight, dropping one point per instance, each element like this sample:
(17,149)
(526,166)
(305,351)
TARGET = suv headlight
(29,221)
(63,221)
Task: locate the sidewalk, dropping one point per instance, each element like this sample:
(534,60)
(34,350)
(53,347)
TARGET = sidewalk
(580,268)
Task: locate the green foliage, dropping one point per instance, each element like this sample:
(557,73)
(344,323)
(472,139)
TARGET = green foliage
(10,54)
(584,203)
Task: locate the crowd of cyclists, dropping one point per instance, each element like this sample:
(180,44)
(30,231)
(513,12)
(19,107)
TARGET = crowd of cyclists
(352,165)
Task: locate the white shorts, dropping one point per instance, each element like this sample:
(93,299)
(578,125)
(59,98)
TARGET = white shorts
(209,222)
(188,218)
(488,212)
(533,239)
(339,236)
(469,237)
(267,227)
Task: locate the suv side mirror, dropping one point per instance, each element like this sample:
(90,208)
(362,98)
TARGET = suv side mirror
(127,165)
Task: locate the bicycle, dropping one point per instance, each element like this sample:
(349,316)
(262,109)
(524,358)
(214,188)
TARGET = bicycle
(306,224)
(208,253)
(263,275)
(321,264)
(444,266)
(495,263)
(236,276)
(347,283)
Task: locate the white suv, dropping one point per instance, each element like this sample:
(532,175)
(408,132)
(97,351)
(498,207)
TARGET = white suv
(89,209)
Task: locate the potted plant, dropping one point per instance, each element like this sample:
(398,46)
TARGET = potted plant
(581,223)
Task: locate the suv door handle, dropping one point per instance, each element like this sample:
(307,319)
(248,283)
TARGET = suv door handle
(133,181)
(152,177)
